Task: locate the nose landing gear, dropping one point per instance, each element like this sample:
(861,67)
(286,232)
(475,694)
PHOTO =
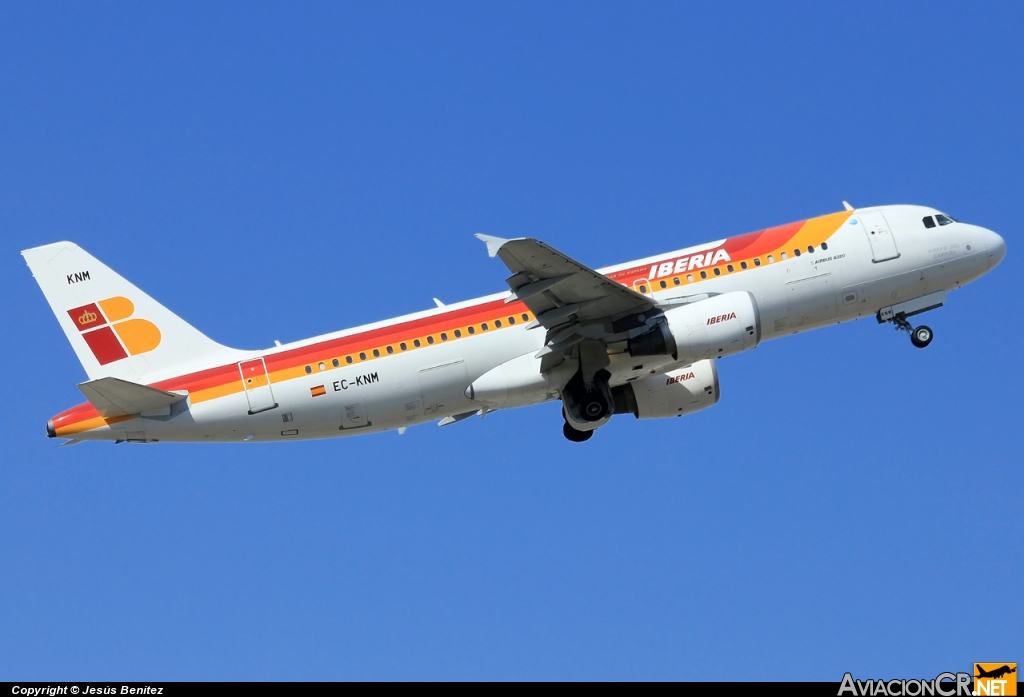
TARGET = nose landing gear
(919,337)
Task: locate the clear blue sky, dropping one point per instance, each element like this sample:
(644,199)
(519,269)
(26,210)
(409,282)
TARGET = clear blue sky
(276,172)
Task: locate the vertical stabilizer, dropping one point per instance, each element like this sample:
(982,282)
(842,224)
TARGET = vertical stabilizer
(116,329)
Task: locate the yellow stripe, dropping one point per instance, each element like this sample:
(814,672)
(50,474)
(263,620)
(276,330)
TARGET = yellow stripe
(233,387)
(88,425)
(817,230)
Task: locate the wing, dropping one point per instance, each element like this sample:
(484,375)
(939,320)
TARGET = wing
(572,301)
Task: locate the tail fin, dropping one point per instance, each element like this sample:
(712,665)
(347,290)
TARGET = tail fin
(116,329)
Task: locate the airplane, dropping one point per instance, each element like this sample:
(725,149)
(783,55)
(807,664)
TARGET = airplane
(641,338)
(995,673)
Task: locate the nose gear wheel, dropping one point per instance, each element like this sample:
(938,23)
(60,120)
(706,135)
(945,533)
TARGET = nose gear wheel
(919,337)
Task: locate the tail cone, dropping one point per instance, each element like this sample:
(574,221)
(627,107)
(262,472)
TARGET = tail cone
(50,431)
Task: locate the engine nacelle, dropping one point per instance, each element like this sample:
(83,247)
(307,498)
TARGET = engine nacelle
(719,326)
(675,393)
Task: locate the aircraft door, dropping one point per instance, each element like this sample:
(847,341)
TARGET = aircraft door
(883,244)
(256,383)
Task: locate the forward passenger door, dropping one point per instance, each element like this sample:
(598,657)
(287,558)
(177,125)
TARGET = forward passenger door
(883,244)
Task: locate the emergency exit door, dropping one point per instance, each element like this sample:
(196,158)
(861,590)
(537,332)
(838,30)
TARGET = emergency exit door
(883,244)
(256,383)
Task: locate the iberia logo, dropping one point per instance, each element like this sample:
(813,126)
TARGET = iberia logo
(995,678)
(111,334)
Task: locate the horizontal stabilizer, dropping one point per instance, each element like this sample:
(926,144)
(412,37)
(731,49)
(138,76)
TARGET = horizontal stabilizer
(116,397)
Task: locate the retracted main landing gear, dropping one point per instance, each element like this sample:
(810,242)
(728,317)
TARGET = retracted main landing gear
(919,337)
(585,410)
(575,436)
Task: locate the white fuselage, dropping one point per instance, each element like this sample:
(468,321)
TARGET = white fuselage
(794,294)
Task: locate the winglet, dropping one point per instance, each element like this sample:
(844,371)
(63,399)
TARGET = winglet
(493,243)
(847,206)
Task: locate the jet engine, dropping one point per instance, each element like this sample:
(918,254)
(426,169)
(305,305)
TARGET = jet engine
(683,391)
(718,326)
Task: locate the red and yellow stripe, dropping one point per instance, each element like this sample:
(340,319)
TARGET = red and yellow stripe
(412,335)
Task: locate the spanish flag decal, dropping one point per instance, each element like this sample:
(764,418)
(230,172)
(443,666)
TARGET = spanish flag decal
(318,391)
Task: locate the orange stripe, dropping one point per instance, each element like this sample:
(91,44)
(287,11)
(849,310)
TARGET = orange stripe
(88,425)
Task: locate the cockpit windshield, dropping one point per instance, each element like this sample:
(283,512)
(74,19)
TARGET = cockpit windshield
(929,221)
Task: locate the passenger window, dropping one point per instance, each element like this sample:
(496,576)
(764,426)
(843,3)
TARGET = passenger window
(757,262)
(796,252)
(416,343)
(335,363)
(484,326)
(497,324)
(322,366)
(703,274)
(771,259)
(743,264)
(718,271)
(663,284)
(471,330)
(810,249)
(824,246)
(929,222)
(526,317)
(309,369)
(675,280)
(376,353)
(781,256)
(362,355)
(402,346)
(730,268)
(643,289)
(430,339)
(391,349)
(348,359)
(444,336)
(511,320)
(689,278)
(458,333)
(944,220)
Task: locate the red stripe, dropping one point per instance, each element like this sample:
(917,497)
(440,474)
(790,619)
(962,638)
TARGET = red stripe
(771,239)
(82,412)
(393,334)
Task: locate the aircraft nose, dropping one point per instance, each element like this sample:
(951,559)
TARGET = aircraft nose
(996,249)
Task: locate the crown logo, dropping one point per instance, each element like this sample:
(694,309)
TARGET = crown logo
(87,318)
